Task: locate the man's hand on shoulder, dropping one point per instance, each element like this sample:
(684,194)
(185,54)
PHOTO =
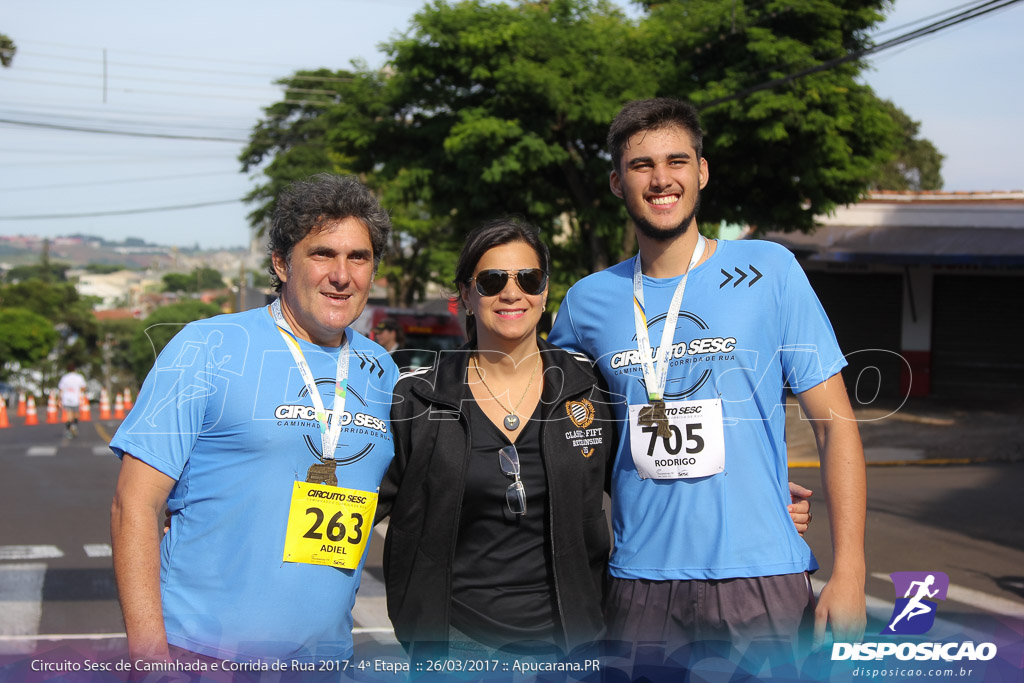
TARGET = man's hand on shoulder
(800,507)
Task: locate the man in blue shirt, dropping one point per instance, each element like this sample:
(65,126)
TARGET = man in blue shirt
(266,435)
(703,549)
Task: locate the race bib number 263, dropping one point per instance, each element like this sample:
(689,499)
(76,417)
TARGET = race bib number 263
(691,445)
(328,525)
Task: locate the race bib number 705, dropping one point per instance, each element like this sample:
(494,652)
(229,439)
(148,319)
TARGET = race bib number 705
(328,525)
(693,447)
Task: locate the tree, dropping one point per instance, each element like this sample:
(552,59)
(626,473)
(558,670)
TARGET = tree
(200,279)
(917,165)
(47,271)
(7,50)
(158,329)
(26,338)
(67,311)
(491,109)
(116,338)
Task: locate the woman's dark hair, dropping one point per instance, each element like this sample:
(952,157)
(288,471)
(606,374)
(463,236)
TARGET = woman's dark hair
(492,234)
(321,199)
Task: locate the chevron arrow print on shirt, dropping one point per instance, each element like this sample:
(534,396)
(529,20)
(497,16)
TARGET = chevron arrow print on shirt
(754,275)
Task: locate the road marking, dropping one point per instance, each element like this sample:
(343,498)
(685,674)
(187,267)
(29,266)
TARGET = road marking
(101,450)
(102,432)
(29,552)
(969,596)
(21,594)
(36,451)
(97,549)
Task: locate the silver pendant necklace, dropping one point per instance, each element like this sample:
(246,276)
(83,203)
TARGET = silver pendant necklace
(511,420)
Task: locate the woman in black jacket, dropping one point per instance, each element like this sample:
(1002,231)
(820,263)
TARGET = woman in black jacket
(498,536)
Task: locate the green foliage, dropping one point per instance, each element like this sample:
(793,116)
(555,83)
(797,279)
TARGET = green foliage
(67,311)
(158,329)
(488,109)
(48,272)
(917,165)
(26,338)
(200,279)
(7,50)
(105,268)
(114,360)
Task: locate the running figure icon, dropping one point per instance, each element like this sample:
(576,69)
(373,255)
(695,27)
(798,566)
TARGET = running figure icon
(915,607)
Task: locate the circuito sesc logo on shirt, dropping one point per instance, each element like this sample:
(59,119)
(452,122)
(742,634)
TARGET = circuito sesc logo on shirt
(916,593)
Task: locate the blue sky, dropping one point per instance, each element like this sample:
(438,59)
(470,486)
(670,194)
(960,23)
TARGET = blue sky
(206,68)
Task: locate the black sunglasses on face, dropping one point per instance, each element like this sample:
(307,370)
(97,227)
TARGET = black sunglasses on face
(490,282)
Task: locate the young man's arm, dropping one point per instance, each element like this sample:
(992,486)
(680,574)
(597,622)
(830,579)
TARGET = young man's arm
(135,522)
(841,603)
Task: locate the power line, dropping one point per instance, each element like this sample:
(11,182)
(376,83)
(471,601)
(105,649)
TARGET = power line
(122,181)
(124,212)
(919,20)
(82,129)
(949,22)
(186,69)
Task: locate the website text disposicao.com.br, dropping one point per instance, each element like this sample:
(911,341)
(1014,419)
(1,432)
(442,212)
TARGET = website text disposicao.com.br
(900,672)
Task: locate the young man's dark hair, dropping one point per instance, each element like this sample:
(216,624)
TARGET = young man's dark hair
(314,203)
(653,114)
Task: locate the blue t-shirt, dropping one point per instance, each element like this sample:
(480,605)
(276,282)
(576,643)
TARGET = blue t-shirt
(749,322)
(226,414)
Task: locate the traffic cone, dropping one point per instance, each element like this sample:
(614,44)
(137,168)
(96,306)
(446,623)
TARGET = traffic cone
(21,404)
(104,405)
(128,399)
(4,422)
(84,411)
(31,418)
(64,416)
(118,407)
(51,410)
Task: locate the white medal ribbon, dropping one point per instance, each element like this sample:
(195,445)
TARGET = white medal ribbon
(330,429)
(656,370)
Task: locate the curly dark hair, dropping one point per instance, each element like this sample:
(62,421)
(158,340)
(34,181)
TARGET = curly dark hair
(653,114)
(312,204)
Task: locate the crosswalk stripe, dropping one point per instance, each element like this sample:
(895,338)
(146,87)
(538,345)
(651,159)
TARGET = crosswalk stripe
(101,450)
(29,552)
(969,596)
(97,549)
(21,594)
(35,451)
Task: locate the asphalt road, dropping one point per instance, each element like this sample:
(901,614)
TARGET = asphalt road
(56,577)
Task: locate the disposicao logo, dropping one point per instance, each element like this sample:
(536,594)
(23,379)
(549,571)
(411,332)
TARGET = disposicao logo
(914,612)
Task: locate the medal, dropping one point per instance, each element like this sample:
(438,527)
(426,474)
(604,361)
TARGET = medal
(653,415)
(323,473)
